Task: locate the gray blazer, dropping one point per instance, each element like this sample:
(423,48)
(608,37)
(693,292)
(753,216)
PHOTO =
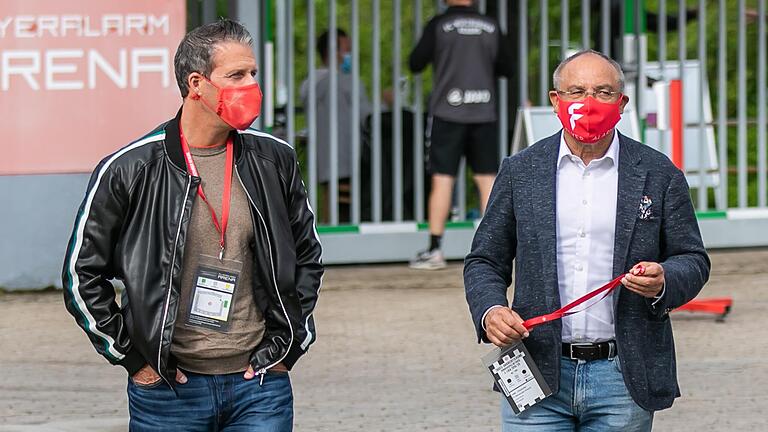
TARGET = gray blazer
(519,226)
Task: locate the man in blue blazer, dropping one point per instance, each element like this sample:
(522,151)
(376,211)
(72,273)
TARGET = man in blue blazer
(572,212)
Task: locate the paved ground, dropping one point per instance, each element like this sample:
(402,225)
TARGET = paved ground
(396,353)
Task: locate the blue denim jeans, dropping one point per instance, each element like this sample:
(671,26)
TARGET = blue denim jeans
(592,397)
(225,403)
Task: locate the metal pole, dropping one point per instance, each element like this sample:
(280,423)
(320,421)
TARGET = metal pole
(761,106)
(662,23)
(503,89)
(640,62)
(461,189)
(563,28)
(544,77)
(605,25)
(209,11)
(250,14)
(460,185)
(355,120)
(376,120)
(333,114)
(722,105)
(194,14)
(703,147)
(281,41)
(397,117)
(290,107)
(265,65)
(585,25)
(418,129)
(742,107)
(681,59)
(522,26)
(311,106)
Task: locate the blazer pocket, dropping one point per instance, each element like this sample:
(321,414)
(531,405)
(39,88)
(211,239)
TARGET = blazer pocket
(653,221)
(659,336)
(660,363)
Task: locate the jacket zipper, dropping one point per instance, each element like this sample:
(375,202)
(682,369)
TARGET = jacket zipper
(263,370)
(170,281)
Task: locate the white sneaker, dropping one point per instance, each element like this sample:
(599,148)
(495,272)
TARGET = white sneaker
(429,260)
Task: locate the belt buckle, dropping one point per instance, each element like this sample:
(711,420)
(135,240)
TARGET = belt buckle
(580,344)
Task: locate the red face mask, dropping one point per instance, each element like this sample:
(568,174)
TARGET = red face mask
(237,106)
(588,120)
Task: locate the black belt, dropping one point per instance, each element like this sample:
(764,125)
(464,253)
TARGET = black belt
(589,351)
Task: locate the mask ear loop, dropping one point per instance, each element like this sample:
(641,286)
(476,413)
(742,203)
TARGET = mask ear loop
(199,97)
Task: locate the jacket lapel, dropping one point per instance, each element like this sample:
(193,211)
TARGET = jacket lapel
(630,193)
(544,201)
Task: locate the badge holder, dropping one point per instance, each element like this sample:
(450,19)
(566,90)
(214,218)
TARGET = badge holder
(516,375)
(213,295)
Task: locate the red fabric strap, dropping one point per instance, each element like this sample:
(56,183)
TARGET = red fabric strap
(567,309)
(225,197)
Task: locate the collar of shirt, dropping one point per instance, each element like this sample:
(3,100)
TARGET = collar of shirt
(612,154)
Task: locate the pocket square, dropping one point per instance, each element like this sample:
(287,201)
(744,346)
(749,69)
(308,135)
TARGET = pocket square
(645,207)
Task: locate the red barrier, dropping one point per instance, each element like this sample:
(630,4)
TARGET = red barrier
(718,306)
(676,121)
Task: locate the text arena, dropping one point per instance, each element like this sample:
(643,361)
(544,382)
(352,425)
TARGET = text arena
(83,78)
(74,68)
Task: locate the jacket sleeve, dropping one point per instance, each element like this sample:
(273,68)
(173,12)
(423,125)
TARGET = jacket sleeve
(309,265)
(488,267)
(88,266)
(684,258)
(424,51)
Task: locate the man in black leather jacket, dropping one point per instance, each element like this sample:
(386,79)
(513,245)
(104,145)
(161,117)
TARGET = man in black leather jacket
(207,224)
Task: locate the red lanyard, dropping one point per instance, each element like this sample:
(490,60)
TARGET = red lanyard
(225,197)
(566,310)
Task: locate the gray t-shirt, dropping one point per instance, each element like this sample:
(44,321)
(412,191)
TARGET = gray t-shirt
(203,350)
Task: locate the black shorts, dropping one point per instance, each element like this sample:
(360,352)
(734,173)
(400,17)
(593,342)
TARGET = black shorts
(449,141)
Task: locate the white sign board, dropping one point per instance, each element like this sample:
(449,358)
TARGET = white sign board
(695,140)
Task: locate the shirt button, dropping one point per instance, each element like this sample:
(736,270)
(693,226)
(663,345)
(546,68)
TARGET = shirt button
(579,267)
(582,234)
(584,202)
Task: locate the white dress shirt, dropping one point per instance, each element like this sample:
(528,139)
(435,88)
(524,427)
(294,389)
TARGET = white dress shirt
(586,223)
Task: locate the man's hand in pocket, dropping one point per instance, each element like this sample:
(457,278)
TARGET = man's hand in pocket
(148,376)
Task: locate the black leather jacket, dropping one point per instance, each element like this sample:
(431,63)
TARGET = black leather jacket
(132,226)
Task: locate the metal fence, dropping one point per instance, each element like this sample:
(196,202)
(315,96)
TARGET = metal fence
(698,93)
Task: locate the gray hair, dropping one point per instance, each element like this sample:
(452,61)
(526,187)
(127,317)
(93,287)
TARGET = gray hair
(196,50)
(559,69)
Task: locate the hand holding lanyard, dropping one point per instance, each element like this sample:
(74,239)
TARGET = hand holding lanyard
(566,310)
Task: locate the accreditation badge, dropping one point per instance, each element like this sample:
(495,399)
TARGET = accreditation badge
(516,375)
(214,293)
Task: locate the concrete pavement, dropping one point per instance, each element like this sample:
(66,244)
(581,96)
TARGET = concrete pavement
(396,352)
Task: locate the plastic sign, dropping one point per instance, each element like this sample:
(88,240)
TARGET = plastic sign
(81,78)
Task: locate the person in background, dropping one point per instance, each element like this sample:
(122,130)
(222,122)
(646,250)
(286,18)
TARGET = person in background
(206,223)
(343,128)
(468,52)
